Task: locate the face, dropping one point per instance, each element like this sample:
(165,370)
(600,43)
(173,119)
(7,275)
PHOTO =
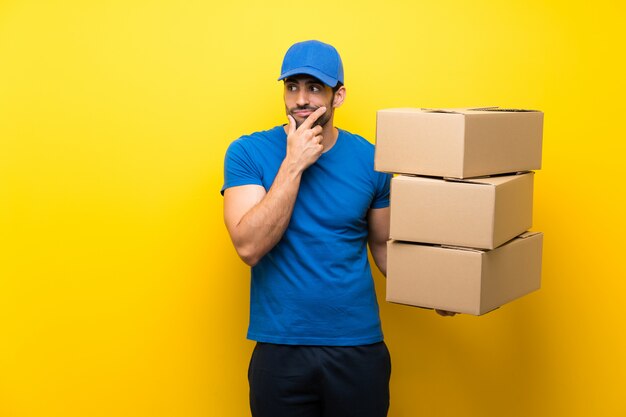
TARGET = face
(303,95)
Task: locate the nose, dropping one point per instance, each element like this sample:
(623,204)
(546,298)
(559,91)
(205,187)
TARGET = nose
(302,99)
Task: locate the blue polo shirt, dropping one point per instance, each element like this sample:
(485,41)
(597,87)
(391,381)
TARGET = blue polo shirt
(315,286)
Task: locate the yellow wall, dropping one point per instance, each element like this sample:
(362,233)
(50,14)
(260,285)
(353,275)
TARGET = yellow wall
(120,294)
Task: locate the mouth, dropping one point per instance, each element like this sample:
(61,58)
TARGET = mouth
(303,113)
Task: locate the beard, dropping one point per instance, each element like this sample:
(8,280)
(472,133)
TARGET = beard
(323,119)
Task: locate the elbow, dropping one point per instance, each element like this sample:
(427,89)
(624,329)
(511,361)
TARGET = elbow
(250,260)
(248,254)
(251,251)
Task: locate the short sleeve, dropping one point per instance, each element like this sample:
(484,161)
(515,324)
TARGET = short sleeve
(381,197)
(239,167)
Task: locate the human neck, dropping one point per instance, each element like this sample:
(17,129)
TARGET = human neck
(330,134)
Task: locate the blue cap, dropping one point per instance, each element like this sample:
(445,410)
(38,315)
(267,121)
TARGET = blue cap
(314,58)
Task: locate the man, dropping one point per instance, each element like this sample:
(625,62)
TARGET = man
(301,203)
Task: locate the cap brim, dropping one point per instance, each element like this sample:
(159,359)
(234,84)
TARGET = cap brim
(329,81)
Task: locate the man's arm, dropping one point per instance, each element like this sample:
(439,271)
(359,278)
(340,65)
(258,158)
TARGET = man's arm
(378,223)
(256,220)
(378,229)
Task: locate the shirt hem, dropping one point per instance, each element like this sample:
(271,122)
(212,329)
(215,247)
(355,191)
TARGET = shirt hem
(239,183)
(314,341)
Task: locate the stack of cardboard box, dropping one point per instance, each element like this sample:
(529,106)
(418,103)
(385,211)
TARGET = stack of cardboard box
(461,208)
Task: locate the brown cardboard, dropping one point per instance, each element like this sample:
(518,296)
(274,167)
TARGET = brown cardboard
(458,143)
(479,213)
(460,279)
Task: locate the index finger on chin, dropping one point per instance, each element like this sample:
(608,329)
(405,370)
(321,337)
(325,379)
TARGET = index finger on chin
(313,118)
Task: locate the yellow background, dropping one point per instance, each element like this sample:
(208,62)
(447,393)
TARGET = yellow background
(120,293)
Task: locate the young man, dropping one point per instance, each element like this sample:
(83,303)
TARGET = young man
(301,203)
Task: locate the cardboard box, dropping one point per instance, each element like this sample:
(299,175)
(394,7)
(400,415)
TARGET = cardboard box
(458,143)
(478,213)
(461,279)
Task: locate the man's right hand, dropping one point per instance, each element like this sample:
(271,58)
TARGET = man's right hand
(256,220)
(304,143)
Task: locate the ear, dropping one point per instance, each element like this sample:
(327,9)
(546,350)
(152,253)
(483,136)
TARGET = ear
(340,96)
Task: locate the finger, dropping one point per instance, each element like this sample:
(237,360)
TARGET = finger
(317,130)
(445,313)
(291,126)
(313,118)
(318,139)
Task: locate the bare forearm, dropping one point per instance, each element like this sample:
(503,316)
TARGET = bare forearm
(260,229)
(378,220)
(257,220)
(379,253)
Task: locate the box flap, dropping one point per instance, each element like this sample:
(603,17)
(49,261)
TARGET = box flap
(463,248)
(508,110)
(401,110)
(441,111)
(494,180)
(455,110)
(393,241)
(459,110)
(474,180)
(527,234)
(479,110)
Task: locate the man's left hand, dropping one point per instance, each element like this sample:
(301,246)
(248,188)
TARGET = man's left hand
(446,313)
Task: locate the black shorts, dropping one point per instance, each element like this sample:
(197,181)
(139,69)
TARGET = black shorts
(319,381)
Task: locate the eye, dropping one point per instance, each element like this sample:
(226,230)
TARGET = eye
(291,87)
(315,88)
